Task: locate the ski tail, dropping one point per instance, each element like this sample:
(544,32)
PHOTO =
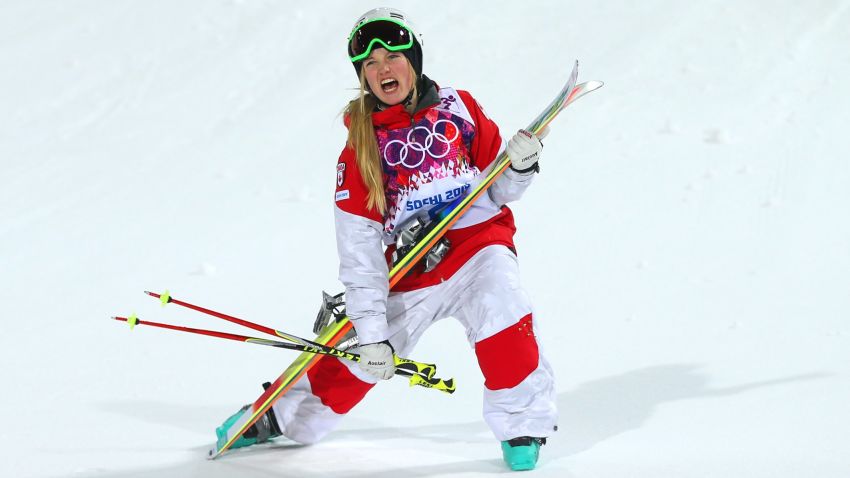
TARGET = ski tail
(305,361)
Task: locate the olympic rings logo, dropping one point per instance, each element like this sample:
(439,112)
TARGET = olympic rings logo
(403,150)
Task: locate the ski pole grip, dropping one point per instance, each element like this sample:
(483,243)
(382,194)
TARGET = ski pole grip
(419,368)
(447,386)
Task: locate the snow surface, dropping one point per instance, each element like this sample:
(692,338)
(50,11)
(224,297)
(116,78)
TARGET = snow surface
(687,243)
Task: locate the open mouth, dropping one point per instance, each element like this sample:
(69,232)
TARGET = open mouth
(389,85)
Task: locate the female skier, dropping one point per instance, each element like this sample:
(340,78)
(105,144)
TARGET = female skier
(413,147)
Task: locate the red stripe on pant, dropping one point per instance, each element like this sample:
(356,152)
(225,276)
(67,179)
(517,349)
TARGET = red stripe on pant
(509,356)
(336,386)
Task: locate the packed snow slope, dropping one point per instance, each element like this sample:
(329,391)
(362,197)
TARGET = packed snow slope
(687,243)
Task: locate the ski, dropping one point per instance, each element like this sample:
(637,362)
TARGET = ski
(336,330)
(568,94)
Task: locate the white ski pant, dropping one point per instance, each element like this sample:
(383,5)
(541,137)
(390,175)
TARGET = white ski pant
(486,297)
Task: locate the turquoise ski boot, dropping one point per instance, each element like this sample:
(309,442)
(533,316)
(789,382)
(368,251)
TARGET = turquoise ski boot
(521,453)
(260,432)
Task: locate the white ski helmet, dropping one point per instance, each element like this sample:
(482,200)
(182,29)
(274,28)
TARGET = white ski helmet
(389,28)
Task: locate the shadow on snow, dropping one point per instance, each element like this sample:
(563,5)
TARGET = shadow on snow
(589,414)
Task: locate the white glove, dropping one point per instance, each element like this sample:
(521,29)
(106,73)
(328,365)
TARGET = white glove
(377,360)
(524,150)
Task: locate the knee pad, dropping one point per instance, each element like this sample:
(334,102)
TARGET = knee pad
(336,386)
(509,356)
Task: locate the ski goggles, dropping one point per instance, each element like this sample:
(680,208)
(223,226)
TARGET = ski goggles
(384,32)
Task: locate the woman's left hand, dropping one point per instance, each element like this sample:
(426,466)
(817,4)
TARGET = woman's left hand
(524,150)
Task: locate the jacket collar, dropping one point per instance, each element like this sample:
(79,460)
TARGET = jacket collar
(396,116)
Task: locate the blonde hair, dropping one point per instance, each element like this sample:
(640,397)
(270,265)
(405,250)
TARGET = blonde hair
(361,138)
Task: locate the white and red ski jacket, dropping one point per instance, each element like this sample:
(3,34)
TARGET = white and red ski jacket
(429,158)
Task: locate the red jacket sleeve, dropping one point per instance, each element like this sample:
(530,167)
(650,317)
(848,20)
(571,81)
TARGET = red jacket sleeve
(487,142)
(486,146)
(351,192)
